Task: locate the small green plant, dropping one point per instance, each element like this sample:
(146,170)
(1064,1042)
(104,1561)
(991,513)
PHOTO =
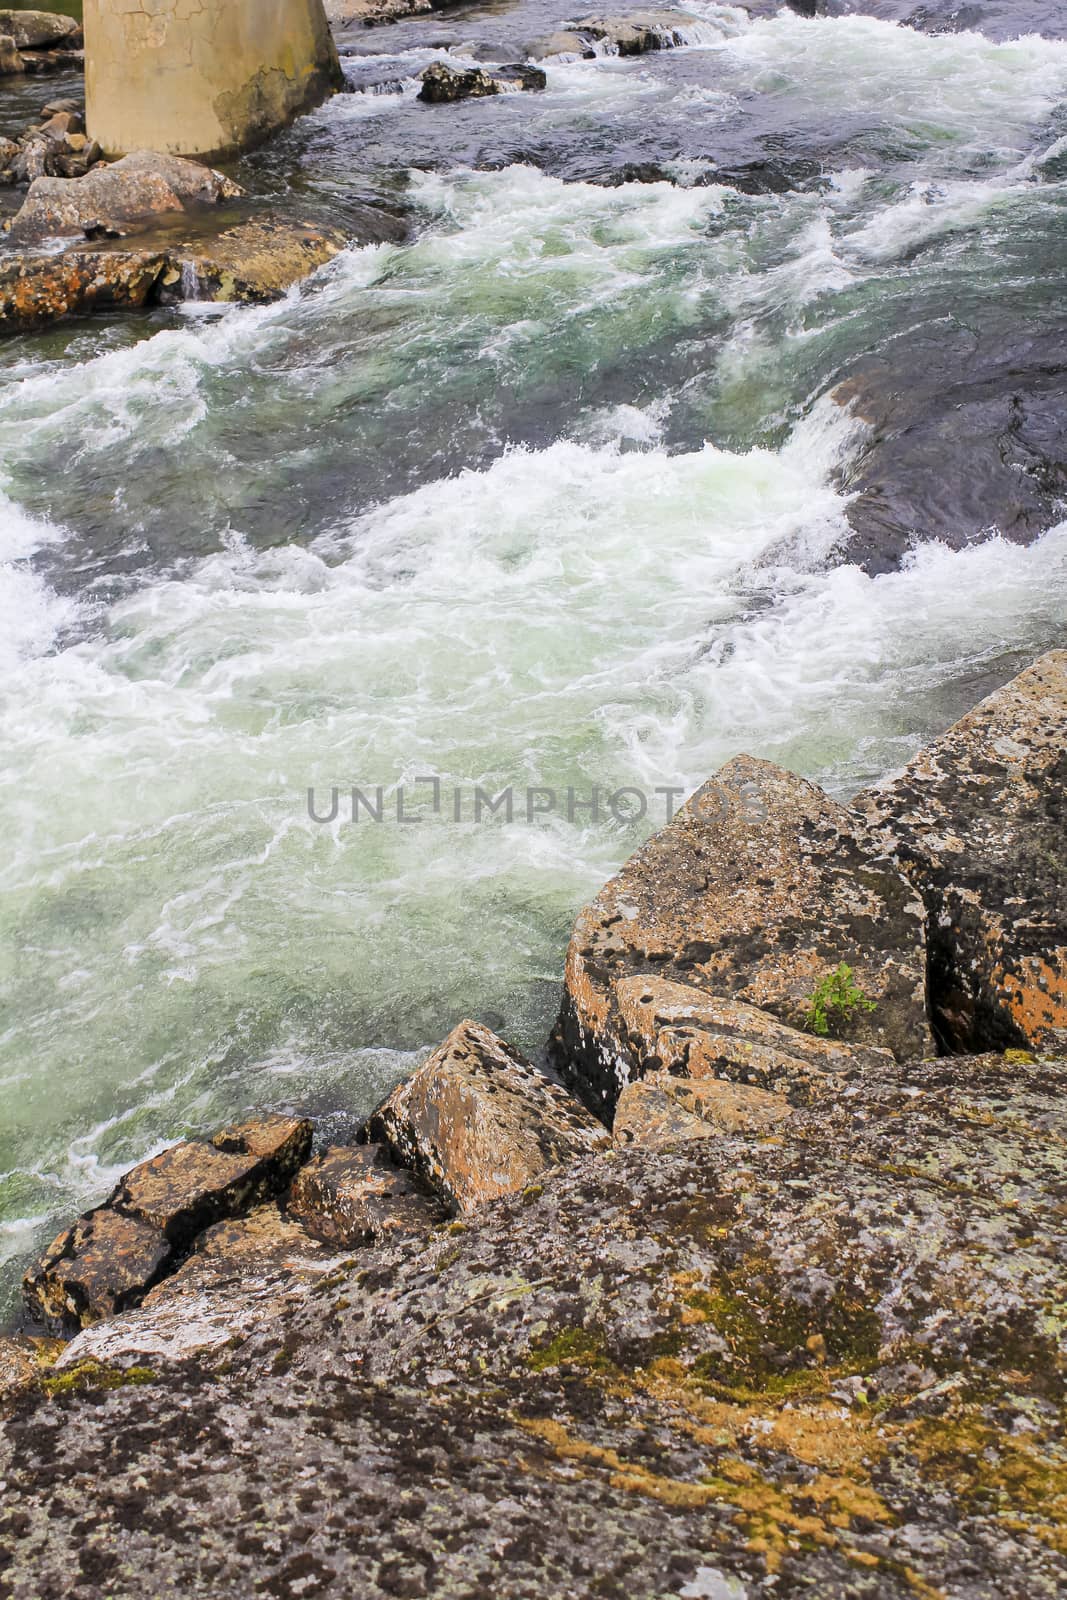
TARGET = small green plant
(835,1001)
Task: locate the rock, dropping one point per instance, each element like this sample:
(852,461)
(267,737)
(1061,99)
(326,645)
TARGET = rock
(640,32)
(11,62)
(829,1364)
(40,30)
(35,290)
(347,13)
(111,1256)
(257,260)
(478,1120)
(18,1370)
(980,825)
(97,1268)
(351,1197)
(141,185)
(660,1108)
(675,1028)
(564,44)
(757,890)
(241,1269)
(8,152)
(441,84)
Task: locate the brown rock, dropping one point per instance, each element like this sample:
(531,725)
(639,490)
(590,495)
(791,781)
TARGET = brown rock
(141,185)
(98,1267)
(757,890)
(352,1197)
(442,84)
(18,1369)
(106,1262)
(640,31)
(191,1185)
(40,30)
(479,1121)
(681,1030)
(979,822)
(257,260)
(660,1109)
(11,62)
(39,289)
(562,44)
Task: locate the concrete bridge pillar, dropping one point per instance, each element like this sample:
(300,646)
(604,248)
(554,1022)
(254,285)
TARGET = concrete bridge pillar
(202,77)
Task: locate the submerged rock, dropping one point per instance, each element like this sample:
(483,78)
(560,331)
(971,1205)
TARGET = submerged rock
(758,889)
(351,1197)
(478,1121)
(254,261)
(111,1256)
(113,195)
(442,84)
(979,821)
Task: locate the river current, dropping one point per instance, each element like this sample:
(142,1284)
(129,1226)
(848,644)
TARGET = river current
(563,492)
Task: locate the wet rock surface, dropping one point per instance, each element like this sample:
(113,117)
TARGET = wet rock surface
(478,1121)
(115,194)
(442,84)
(758,888)
(638,32)
(980,824)
(829,1358)
(39,289)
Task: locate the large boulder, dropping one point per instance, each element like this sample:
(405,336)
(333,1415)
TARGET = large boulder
(257,260)
(142,185)
(979,821)
(352,1197)
(110,1257)
(758,891)
(41,30)
(478,1121)
(38,289)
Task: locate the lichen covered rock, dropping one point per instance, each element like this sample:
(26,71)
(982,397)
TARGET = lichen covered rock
(660,1108)
(830,1363)
(759,887)
(351,1197)
(479,1121)
(257,260)
(110,1257)
(38,289)
(979,820)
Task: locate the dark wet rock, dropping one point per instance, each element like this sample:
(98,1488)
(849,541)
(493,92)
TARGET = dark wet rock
(442,84)
(35,290)
(658,1109)
(113,195)
(111,1256)
(834,1360)
(966,440)
(759,888)
(638,32)
(478,1121)
(40,30)
(353,1196)
(979,821)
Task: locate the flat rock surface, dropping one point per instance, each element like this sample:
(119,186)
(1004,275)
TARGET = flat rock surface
(980,823)
(759,887)
(142,184)
(831,1363)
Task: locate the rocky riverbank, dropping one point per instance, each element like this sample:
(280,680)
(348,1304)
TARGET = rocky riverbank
(768,1300)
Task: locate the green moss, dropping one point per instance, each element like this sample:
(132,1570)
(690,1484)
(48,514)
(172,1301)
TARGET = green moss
(532,1192)
(777,1346)
(581,1347)
(95,1375)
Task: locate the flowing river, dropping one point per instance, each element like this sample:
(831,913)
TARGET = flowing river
(567,491)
